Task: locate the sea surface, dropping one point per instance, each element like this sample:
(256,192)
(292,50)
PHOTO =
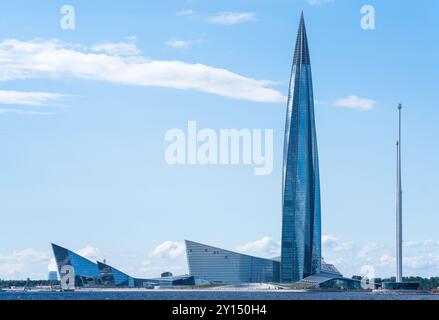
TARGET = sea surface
(209,295)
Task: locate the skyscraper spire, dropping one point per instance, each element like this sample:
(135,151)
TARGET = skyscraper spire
(301,53)
(301,226)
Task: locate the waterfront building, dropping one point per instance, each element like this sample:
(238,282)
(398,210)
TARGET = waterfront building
(223,266)
(218,266)
(113,277)
(100,274)
(86,272)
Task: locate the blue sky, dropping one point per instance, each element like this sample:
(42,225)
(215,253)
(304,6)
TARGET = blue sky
(84,112)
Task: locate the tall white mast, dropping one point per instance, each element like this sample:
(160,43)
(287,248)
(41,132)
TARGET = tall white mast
(399,203)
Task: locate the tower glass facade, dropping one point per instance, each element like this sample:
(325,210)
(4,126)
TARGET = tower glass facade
(301,225)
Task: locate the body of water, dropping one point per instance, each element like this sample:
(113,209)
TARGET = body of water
(210,295)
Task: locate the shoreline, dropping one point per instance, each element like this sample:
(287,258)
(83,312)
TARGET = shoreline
(223,290)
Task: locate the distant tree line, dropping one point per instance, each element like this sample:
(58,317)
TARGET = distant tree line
(425,283)
(27,283)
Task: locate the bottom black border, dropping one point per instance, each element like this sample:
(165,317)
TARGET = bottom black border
(273,309)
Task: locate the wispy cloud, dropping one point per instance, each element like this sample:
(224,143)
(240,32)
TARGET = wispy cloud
(355,102)
(21,264)
(55,59)
(90,252)
(117,49)
(185,13)
(421,259)
(319,2)
(418,262)
(181,44)
(332,243)
(25,112)
(168,249)
(265,247)
(28,98)
(320,102)
(368,249)
(231,18)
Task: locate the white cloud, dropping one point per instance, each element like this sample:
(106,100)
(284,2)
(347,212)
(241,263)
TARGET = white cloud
(431,242)
(90,252)
(24,112)
(167,256)
(153,268)
(231,18)
(320,102)
(424,246)
(368,249)
(21,264)
(410,244)
(117,49)
(318,2)
(52,265)
(421,258)
(429,261)
(344,246)
(178,44)
(387,260)
(168,249)
(182,44)
(266,247)
(28,98)
(54,59)
(355,102)
(329,241)
(26,255)
(185,13)
(334,244)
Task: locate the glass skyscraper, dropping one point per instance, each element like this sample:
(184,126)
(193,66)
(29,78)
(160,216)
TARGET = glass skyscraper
(300,259)
(301,225)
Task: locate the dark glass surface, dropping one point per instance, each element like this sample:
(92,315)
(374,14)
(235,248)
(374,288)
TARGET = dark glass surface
(301,225)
